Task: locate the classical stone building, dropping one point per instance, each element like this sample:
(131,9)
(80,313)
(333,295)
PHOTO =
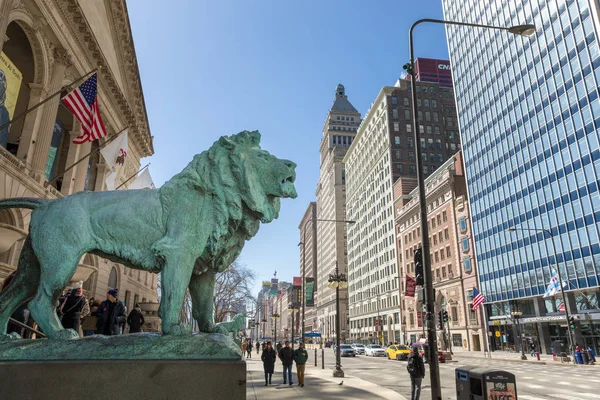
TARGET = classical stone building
(452,257)
(338,133)
(47,44)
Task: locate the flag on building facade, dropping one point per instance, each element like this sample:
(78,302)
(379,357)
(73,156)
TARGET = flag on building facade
(411,284)
(143,181)
(554,285)
(115,154)
(83,103)
(561,307)
(478,299)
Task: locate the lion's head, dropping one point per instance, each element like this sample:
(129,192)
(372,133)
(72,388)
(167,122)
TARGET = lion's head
(245,183)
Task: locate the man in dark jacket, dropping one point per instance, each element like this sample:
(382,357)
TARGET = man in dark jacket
(301,357)
(111,314)
(416,369)
(286,355)
(135,320)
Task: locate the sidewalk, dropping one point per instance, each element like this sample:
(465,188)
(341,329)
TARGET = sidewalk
(545,359)
(318,384)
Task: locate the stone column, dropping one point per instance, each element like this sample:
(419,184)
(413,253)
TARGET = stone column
(5,6)
(102,169)
(50,110)
(73,155)
(30,123)
(544,337)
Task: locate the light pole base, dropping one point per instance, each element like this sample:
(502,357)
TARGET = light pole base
(338,373)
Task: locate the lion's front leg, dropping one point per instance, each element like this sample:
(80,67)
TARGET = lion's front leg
(175,278)
(202,289)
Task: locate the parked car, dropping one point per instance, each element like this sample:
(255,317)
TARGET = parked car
(375,350)
(346,350)
(358,348)
(441,355)
(398,352)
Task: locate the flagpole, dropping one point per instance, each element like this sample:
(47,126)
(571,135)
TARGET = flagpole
(134,175)
(485,327)
(113,137)
(53,95)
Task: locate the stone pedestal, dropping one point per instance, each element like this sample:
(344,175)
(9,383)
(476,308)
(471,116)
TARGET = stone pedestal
(123,379)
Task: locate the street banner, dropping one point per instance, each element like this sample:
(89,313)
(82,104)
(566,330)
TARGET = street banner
(10,84)
(297,281)
(419,319)
(411,285)
(309,292)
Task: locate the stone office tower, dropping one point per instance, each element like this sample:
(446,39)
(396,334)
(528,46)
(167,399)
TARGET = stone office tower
(339,130)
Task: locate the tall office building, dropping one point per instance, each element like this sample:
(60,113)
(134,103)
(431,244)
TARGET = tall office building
(338,132)
(530,115)
(382,152)
(308,265)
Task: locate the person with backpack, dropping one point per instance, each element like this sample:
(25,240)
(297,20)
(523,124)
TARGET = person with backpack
(416,370)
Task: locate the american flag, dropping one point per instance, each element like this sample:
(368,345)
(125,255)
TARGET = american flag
(478,299)
(83,103)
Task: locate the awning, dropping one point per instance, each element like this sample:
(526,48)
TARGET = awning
(312,334)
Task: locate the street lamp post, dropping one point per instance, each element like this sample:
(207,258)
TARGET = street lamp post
(516,314)
(275,317)
(562,291)
(337,281)
(524,30)
(292,307)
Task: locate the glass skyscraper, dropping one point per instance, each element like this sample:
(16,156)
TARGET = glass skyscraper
(529,117)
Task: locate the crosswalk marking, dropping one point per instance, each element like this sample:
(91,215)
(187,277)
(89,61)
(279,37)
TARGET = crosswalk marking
(591,395)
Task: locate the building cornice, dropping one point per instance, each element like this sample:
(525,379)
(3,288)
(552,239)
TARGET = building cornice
(131,111)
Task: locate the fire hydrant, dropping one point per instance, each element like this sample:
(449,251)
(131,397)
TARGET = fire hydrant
(537,354)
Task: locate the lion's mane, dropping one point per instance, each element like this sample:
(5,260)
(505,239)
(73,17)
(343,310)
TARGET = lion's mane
(217,173)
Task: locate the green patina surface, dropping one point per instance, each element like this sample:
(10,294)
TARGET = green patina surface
(188,230)
(139,346)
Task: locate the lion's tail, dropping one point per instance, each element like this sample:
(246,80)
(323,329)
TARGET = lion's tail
(22,202)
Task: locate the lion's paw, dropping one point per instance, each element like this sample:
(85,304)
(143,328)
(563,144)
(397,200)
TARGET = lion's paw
(179,330)
(9,336)
(66,334)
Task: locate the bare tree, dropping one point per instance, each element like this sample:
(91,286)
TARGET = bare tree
(233,294)
(233,291)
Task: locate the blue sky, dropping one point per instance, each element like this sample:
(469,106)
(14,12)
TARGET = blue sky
(213,68)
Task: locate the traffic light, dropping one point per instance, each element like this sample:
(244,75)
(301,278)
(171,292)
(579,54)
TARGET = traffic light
(418,259)
(441,321)
(572,322)
(445,316)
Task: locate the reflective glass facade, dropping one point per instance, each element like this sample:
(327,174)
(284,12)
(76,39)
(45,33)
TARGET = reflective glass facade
(529,116)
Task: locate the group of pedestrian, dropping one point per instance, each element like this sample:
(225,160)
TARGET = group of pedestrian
(247,348)
(288,357)
(92,317)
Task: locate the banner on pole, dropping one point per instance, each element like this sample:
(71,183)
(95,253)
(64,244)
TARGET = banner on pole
(309,284)
(411,285)
(10,84)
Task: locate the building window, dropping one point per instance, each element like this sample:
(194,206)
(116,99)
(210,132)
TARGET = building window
(432,159)
(429,129)
(407,115)
(425,169)
(438,143)
(394,100)
(395,113)
(440,236)
(399,168)
(443,270)
(448,254)
(409,128)
(445,218)
(465,243)
(436,118)
(427,116)
(436,130)
(411,319)
(457,339)
(440,157)
(413,169)
(112,279)
(424,156)
(450,271)
(397,140)
(411,155)
(396,127)
(463,224)
(409,140)
(426,103)
(446,234)
(469,295)
(434,103)
(430,141)
(423,145)
(398,152)
(406,101)
(468,264)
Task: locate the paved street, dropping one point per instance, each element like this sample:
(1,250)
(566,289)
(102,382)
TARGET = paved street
(535,381)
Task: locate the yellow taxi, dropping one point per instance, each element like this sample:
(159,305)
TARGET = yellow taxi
(398,352)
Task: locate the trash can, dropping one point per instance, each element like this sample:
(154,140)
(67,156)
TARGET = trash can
(586,356)
(478,383)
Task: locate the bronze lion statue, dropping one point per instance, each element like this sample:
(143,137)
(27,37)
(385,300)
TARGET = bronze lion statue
(192,227)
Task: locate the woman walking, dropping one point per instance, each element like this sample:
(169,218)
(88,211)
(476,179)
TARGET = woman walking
(268,358)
